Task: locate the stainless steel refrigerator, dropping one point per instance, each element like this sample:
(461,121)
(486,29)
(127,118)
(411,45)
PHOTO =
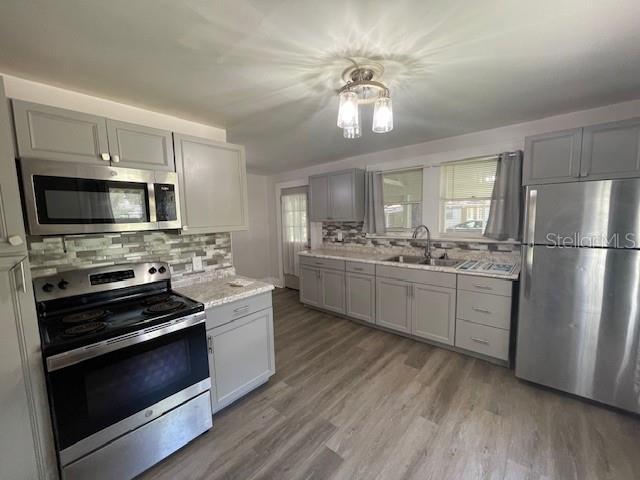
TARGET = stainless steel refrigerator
(579,311)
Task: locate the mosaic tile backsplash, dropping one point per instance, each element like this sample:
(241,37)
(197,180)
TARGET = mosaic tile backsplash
(49,255)
(354,238)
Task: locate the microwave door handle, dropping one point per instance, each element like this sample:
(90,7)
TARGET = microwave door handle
(153,214)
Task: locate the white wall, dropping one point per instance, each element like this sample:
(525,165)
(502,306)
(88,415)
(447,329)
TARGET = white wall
(431,154)
(253,250)
(30,91)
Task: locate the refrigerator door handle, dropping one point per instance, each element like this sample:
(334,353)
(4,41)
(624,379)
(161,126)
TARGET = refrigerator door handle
(528,266)
(530,232)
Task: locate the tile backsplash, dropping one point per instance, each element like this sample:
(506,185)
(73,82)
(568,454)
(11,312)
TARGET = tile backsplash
(49,255)
(353,237)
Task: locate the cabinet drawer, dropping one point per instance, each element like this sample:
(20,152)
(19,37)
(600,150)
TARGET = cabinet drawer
(489,341)
(222,314)
(322,262)
(359,267)
(439,279)
(492,310)
(485,285)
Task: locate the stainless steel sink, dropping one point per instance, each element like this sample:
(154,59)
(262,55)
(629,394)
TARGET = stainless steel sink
(406,259)
(436,262)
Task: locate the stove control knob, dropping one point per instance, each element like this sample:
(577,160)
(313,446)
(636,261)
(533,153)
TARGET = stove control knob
(162,269)
(62,284)
(152,270)
(47,287)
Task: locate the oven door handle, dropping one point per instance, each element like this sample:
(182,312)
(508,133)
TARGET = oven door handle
(72,357)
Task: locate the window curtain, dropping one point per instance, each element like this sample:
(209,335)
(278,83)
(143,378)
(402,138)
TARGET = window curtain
(373,204)
(506,201)
(294,229)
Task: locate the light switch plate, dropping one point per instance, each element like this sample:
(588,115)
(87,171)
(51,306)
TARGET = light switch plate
(340,238)
(197,264)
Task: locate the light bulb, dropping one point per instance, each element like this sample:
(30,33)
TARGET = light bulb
(348,111)
(382,115)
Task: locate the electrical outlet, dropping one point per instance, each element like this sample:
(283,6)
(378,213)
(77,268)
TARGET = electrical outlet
(197,264)
(340,235)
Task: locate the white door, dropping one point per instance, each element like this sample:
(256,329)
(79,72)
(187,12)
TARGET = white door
(295,232)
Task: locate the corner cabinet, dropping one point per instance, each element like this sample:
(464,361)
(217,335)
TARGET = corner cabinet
(52,133)
(337,196)
(12,234)
(27,451)
(213,185)
(597,152)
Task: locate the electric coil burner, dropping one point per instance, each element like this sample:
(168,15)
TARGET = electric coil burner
(127,368)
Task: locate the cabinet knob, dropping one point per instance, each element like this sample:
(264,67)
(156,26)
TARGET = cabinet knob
(15,240)
(115,158)
(105,157)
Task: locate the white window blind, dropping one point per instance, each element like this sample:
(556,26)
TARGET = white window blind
(465,196)
(402,197)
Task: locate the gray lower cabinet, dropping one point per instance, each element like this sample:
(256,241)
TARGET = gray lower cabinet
(361,296)
(12,235)
(337,196)
(611,150)
(433,313)
(52,133)
(26,445)
(241,357)
(310,286)
(332,290)
(552,157)
(393,304)
(136,146)
(213,181)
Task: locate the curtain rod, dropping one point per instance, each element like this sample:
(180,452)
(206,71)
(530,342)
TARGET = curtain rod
(469,159)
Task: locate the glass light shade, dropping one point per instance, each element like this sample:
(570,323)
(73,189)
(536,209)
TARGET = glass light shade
(348,111)
(382,115)
(352,132)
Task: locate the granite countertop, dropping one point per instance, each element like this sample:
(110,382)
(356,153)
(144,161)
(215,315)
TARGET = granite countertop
(380,259)
(218,291)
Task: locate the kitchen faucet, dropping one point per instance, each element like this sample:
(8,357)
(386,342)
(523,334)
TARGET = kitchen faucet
(427,249)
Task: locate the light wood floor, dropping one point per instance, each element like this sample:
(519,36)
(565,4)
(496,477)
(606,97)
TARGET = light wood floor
(351,402)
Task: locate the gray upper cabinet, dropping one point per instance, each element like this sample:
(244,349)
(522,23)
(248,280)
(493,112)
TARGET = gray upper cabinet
(611,150)
(337,196)
(136,146)
(53,133)
(552,157)
(12,235)
(213,181)
(318,198)
(393,304)
(434,313)
(598,152)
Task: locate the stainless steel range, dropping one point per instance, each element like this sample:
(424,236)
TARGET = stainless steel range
(127,369)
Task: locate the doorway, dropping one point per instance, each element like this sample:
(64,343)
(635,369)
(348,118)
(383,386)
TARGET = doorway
(295,231)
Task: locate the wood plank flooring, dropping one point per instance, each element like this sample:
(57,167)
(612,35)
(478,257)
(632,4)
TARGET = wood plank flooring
(351,402)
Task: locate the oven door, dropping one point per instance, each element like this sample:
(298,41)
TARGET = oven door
(106,396)
(63,198)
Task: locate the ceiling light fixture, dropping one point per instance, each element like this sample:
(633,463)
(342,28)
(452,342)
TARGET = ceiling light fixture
(362,88)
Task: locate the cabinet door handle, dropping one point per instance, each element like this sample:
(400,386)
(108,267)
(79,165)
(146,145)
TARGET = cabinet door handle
(241,309)
(480,340)
(358,269)
(115,158)
(481,310)
(210,343)
(105,156)
(482,287)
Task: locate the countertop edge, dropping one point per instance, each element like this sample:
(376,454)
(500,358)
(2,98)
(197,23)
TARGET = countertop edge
(309,253)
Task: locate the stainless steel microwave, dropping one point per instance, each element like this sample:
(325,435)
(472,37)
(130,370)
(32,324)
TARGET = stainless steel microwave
(67,198)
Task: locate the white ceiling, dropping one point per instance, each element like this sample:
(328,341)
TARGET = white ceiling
(267,70)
